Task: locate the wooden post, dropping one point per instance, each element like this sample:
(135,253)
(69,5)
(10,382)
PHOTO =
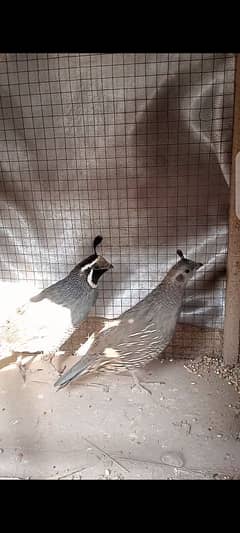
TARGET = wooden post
(232,308)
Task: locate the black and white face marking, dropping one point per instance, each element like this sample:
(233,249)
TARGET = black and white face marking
(93,266)
(95,269)
(89,264)
(90,279)
(89,269)
(96,272)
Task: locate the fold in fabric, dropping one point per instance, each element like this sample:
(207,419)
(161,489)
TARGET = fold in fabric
(136,147)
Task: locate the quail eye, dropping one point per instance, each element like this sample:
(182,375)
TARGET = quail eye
(187,271)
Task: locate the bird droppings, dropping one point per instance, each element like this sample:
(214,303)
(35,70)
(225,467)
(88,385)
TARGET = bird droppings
(59,438)
(173,459)
(185,425)
(40,396)
(109,475)
(221,477)
(133,436)
(207,364)
(236,408)
(19,457)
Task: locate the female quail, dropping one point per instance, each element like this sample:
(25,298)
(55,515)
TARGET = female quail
(48,319)
(140,334)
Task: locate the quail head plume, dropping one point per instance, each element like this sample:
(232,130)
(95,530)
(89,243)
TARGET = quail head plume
(140,334)
(48,319)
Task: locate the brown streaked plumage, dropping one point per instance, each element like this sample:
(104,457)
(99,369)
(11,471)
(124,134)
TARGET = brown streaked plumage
(140,334)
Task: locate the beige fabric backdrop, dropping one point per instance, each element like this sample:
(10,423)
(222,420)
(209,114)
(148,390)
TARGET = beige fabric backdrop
(136,147)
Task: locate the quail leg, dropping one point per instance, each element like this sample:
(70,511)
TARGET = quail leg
(138,384)
(21,367)
(50,358)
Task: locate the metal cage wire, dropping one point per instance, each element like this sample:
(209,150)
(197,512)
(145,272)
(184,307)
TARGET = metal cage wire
(134,146)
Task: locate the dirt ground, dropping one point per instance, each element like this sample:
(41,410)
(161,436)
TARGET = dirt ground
(104,428)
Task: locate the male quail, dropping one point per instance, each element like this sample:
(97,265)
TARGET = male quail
(140,334)
(48,319)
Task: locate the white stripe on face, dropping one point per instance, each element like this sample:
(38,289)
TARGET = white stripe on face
(89,265)
(90,281)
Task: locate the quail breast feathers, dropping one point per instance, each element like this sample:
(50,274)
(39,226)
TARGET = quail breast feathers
(47,320)
(141,333)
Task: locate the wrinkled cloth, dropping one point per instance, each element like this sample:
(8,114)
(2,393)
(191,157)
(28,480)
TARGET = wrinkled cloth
(136,147)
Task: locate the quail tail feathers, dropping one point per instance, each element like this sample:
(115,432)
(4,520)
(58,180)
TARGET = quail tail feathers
(85,365)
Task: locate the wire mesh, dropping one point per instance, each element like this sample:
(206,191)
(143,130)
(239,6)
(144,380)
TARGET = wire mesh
(134,146)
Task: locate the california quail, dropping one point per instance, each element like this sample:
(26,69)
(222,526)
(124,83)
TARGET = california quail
(48,319)
(140,334)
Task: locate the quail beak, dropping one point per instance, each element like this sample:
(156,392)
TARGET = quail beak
(198,265)
(107,267)
(103,264)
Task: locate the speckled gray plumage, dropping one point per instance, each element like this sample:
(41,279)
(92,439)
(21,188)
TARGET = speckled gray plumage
(48,319)
(140,334)
(72,292)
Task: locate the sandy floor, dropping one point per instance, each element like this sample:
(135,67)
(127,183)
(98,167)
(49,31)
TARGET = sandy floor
(103,428)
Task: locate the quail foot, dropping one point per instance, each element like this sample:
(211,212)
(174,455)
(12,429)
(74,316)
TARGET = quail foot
(140,334)
(47,320)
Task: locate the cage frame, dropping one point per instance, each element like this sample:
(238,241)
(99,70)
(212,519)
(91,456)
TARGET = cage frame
(231,335)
